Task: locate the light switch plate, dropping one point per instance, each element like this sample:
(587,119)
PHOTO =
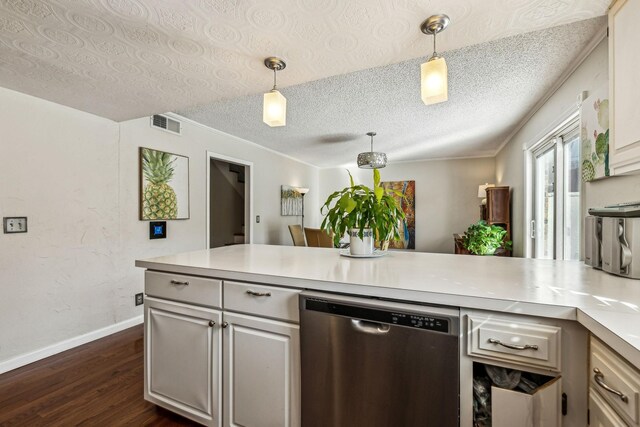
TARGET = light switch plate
(14,224)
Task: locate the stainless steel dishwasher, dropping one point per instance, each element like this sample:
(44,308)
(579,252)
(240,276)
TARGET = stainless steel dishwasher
(373,363)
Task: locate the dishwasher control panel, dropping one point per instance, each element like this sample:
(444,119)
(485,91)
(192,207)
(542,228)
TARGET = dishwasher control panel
(411,320)
(420,321)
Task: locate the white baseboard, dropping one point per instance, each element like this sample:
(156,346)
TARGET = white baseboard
(25,359)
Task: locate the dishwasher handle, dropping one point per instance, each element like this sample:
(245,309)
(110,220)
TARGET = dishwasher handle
(367,327)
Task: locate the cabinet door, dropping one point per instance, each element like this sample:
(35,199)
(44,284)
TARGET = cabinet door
(601,414)
(624,91)
(262,372)
(182,359)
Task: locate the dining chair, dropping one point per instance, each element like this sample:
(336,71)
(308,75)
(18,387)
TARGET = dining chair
(296,235)
(317,237)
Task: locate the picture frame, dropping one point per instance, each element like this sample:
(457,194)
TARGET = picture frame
(290,201)
(163,185)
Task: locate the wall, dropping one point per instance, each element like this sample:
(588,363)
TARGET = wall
(590,75)
(75,176)
(227,204)
(446,194)
(510,161)
(58,167)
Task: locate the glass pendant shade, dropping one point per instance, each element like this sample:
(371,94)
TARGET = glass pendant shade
(372,160)
(434,81)
(274,109)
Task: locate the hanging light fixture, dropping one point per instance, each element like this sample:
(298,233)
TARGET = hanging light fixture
(274,108)
(433,73)
(370,159)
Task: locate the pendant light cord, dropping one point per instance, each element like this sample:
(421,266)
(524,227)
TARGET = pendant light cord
(274,79)
(435,54)
(372,143)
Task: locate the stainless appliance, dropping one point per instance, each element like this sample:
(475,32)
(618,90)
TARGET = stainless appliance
(373,363)
(612,239)
(593,241)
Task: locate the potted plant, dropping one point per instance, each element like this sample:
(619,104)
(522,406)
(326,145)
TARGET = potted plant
(365,213)
(483,239)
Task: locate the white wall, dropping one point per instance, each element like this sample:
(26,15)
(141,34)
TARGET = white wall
(75,176)
(58,167)
(591,75)
(446,194)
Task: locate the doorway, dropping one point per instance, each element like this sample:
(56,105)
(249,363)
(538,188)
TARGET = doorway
(229,201)
(555,195)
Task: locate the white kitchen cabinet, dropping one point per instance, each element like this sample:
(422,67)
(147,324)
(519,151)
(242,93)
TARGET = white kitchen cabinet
(624,91)
(557,349)
(262,372)
(182,359)
(614,385)
(193,348)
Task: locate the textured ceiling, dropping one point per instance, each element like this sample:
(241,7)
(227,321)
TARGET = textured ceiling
(130,58)
(492,87)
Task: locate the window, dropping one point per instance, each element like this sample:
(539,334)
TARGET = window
(555,198)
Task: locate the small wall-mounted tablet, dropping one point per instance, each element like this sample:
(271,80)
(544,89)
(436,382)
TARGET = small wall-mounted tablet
(158,230)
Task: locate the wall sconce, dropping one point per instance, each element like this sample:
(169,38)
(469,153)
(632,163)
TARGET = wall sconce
(274,108)
(433,73)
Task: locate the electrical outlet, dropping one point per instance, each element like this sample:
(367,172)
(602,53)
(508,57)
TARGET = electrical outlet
(139,299)
(14,224)
(258,219)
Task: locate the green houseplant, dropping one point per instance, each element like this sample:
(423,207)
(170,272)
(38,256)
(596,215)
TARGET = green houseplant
(483,239)
(358,208)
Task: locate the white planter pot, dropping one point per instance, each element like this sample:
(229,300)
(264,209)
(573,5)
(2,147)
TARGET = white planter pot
(358,246)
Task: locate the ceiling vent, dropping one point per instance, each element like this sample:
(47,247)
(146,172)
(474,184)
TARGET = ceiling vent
(166,123)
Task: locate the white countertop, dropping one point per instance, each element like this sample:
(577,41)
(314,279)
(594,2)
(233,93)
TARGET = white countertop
(607,305)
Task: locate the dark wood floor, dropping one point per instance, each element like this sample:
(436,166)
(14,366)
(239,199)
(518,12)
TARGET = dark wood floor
(97,384)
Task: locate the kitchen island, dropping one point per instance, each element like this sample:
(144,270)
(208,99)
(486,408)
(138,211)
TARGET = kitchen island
(563,291)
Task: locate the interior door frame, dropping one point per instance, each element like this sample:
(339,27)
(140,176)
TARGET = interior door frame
(248,190)
(552,145)
(550,137)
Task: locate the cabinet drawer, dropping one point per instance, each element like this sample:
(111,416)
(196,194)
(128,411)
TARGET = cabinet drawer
(601,414)
(260,300)
(191,289)
(517,342)
(611,375)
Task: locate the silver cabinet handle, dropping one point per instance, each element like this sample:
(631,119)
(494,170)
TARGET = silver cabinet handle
(599,379)
(178,282)
(514,347)
(225,324)
(212,323)
(259,294)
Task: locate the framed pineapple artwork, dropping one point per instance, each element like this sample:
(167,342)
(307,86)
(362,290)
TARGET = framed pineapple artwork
(164,185)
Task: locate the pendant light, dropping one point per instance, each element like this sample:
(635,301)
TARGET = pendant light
(433,73)
(370,159)
(274,108)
